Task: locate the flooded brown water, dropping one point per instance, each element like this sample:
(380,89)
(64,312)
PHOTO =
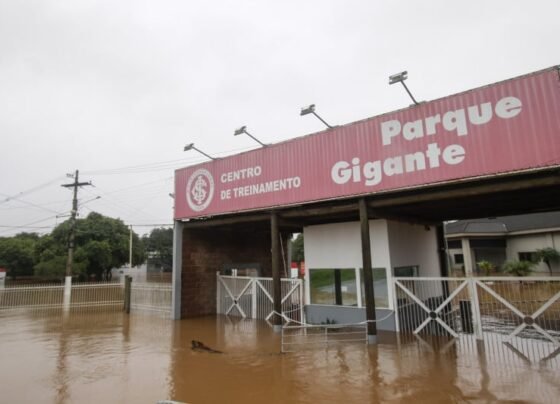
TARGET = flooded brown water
(114,358)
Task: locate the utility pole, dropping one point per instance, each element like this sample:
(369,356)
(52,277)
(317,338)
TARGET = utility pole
(73,215)
(130,249)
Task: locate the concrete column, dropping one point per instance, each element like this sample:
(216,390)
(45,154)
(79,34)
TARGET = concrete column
(67,293)
(358,287)
(177,270)
(467,256)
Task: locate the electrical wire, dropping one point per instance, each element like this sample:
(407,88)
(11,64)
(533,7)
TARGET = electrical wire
(29,191)
(28,224)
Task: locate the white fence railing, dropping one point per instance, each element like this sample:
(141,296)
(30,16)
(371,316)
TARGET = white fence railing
(151,297)
(105,294)
(520,313)
(305,336)
(250,297)
(145,296)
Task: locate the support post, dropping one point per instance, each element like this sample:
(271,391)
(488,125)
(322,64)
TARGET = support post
(67,293)
(337,287)
(442,250)
(475,308)
(75,185)
(177,270)
(253,298)
(368,272)
(467,257)
(127,293)
(443,258)
(276,283)
(130,248)
(358,287)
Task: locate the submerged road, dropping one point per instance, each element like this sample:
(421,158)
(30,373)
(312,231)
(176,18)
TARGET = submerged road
(114,358)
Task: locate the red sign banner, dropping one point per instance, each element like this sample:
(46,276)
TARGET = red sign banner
(505,127)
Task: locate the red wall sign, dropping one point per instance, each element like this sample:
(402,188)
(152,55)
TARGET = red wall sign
(509,126)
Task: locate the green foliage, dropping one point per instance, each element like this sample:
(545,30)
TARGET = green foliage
(325,277)
(547,255)
(486,266)
(17,255)
(159,248)
(297,249)
(518,268)
(101,243)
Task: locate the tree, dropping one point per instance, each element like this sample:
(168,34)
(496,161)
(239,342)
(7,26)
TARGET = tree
(297,249)
(486,266)
(101,243)
(16,255)
(518,268)
(159,248)
(547,255)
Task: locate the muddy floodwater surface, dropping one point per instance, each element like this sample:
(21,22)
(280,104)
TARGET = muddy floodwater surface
(116,358)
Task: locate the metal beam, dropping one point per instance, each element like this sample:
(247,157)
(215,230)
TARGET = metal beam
(368,272)
(469,190)
(276,262)
(194,224)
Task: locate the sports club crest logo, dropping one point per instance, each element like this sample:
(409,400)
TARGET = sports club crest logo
(200,190)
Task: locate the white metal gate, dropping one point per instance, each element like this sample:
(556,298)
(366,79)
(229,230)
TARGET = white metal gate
(522,314)
(250,297)
(151,297)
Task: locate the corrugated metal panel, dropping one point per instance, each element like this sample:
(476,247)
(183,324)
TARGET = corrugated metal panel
(509,126)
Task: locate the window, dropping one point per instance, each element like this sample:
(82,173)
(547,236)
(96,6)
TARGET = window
(408,271)
(380,290)
(458,258)
(333,286)
(527,256)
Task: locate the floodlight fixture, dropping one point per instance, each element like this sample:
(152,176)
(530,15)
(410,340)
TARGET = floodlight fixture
(243,130)
(190,146)
(310,109)
(400,78)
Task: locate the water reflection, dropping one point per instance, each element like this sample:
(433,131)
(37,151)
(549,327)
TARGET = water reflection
(111,357)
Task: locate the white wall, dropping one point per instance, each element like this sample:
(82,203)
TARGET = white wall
(414,245)
(533,242)
(339,245)
(455,266)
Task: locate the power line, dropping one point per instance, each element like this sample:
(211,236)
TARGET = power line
(158,166)
(29,191)
(27,227)
(34,205)
(151,225)
(28,224)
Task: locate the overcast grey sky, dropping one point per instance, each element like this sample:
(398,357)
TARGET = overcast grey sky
(102,86)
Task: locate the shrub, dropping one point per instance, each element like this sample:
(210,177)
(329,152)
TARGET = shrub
(486,266)
(518,268)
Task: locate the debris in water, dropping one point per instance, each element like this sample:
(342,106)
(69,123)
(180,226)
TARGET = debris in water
(200,347)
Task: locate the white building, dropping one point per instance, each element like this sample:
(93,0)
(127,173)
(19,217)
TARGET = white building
(503,239)
(334,276)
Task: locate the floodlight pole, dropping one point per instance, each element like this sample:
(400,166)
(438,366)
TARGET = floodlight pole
(409,93)
(321,119)
(400,78)
(242,130)
(191,146)
(311,110)
(254,138)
